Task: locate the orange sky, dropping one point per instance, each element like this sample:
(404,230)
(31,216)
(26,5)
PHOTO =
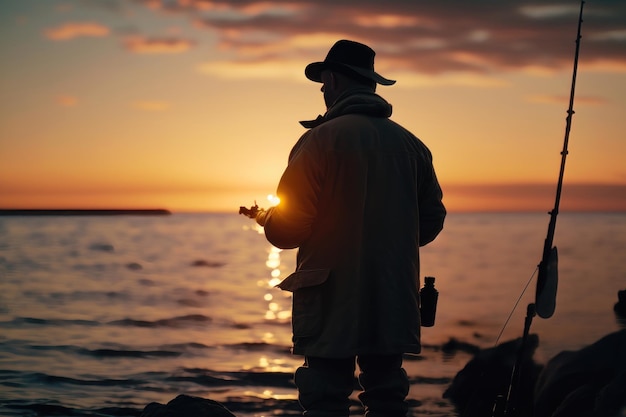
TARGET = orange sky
(194,104)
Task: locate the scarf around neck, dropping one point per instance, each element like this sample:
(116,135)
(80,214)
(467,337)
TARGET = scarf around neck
(354,101)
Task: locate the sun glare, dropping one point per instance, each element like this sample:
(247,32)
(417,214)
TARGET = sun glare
(274,200)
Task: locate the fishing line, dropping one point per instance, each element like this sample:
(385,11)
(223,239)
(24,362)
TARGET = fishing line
(515,307)
(482,375)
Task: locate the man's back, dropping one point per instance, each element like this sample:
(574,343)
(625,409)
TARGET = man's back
(352,194)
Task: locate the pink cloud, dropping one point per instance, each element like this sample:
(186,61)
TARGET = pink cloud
(75,29)
(143,45)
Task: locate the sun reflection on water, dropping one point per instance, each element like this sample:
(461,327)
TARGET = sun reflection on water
(278,310)
(269,394)
(278,303)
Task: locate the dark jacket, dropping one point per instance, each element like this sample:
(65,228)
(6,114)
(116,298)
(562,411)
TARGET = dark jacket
(358,198)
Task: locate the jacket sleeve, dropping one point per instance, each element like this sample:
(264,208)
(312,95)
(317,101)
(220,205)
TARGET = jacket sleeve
(432,212)
(289,224)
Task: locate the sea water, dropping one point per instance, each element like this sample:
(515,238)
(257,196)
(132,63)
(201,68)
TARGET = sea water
(101,315)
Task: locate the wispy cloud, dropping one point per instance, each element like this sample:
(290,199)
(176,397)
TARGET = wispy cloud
(73,30)
(480,36)
(548,11)
(143,45)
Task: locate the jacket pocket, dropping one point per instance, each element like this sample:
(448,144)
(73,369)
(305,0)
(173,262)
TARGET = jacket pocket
(307,309)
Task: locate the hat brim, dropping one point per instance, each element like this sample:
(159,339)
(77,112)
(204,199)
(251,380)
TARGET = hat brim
(314,71)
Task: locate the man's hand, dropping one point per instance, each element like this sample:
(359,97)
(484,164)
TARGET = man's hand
(250,212)
(256,213)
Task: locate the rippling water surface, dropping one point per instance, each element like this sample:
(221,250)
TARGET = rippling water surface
(102,315)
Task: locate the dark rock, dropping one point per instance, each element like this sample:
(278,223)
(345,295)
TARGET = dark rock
(208,264)
(453,345)
(134,266)
(187,406)
(587,382)
(102,247)
(475,389)
(620,308)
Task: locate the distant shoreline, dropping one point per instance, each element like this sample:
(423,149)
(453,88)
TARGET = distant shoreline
(84,212)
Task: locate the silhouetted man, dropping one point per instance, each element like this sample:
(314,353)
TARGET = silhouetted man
(358,198)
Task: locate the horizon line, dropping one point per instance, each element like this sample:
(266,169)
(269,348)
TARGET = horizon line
(9,211)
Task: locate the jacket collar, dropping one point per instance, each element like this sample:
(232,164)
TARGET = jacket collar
(354,101)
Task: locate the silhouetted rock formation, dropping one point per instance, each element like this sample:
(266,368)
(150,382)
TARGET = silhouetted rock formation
(187,406)
(590,382)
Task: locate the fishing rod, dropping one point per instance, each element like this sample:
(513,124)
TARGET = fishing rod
(545,296)
(547,279)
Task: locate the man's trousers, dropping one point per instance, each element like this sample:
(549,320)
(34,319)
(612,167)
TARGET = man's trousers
(325,385)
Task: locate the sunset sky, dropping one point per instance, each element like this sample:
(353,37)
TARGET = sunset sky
(193,105)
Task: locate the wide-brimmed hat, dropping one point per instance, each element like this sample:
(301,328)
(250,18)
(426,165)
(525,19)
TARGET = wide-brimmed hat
(348,57)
